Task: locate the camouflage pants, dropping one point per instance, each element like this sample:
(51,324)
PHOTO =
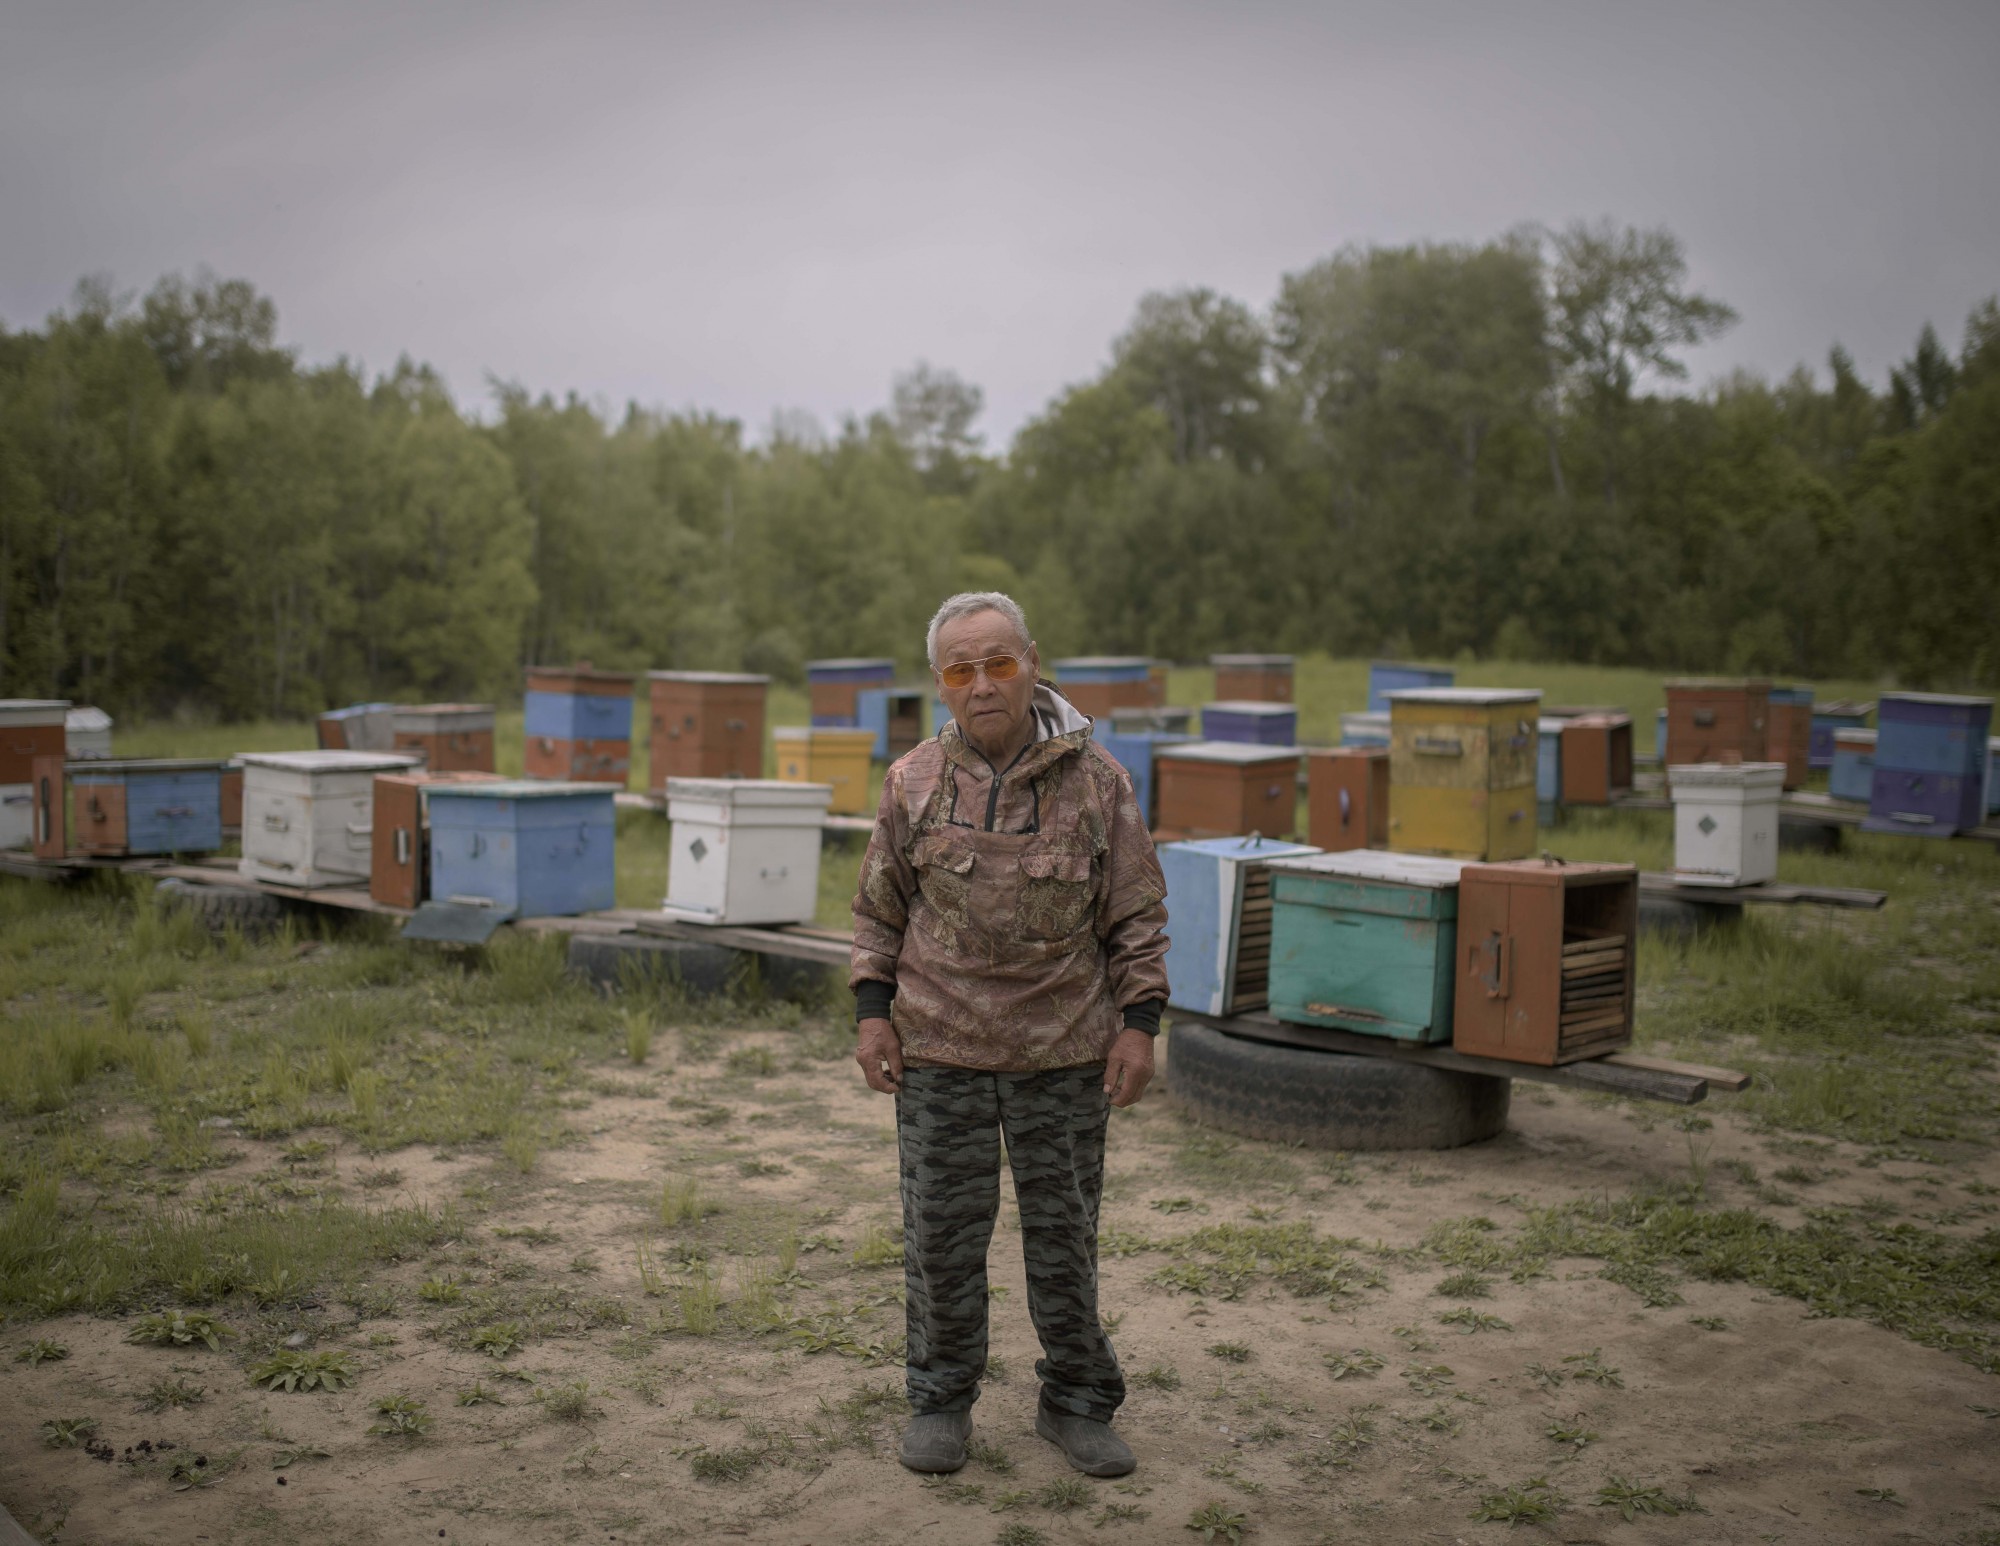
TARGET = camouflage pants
(949,1124)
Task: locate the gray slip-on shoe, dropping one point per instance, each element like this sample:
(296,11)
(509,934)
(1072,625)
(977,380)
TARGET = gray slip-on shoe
(935,1441)
(1088,1444)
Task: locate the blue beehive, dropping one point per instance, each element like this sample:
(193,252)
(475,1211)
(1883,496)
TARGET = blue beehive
(1387,676)
(834,687)
(578,716)
(1095,670)
(1853,773)
(1548,770)
(1930,764)
(1365,729)
(1826,719)
(1257,723)
(525,849)
(1660,737)
(149,806)
(1133,751)
(1220,932)
(895,715)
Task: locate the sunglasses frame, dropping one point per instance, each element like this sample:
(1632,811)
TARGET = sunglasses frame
(977,666)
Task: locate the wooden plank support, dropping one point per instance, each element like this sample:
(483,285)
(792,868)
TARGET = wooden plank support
(801,942)
(1615,1074)
(1771,892)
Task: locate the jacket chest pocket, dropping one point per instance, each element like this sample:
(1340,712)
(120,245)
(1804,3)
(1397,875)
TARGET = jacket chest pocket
(1055,894)
(944,877)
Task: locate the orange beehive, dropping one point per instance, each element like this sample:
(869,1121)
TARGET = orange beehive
(1717,720)
(1253,678)
(706,724)
(399,845)
(1347,797)
(1226,789)
(1596,758)
(450,737)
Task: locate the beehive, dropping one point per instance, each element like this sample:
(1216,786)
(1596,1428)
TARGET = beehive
(1365,728)
(894,716)
(448,737)
(30,728)
(578,724)
(1387,676)
(1930,764)
(362,727)
(745,850)
(232,796)
(1992,774)
(48,807)
(1128,721)
(1548,770)
(1726,822)
(308,817)
(1097,684)
(1596,758)
(1258,724)
(399,834)
(834,685)
(1545,960)
(1156,682)
(86,734)
(706,724)
(1266,678)
(149,806)
(522,848)
(1365,941)
(1853,773)
(835,757)
(1827,718)
(1462,771)
(1226,789)
(17,814)
(1134,751)
(1347,797)
(1219,931)
(1719,720)
(1788,732)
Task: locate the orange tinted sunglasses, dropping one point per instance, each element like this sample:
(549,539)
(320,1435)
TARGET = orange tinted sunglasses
(999,668)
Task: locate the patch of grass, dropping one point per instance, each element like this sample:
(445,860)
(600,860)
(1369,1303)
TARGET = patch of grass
(986,1453)
(68,1432)
(1158,1377)
(1573,1434)
(401,1418)
(1429,1379)
(1230,1352)
(1357,1361)
(700,1303)
(682,1201)
(727,1465)
(1218,1522)
(1531,1502)
(1469,1320)
(1591,1366)
(1464,1285)
(179,1328)
(41,1351)
(499,1340)
(1018,1534)
(1632,1499)
(445,1290)
(479,1393)
(171,1395)
(294,1372)
(566,1403)
(1063,1494)
(879,1247)
(1709,1322)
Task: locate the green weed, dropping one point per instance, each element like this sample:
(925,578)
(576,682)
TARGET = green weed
(171,1395)
(1356,1361)
(1531,1502)
(299,1372)
(401,1418)
(1632,1499)
(179,1328)
(1230,1352)
(68,1432)
(1218,1522)
(41,1351)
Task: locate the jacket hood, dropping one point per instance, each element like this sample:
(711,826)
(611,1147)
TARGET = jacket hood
(1060,731)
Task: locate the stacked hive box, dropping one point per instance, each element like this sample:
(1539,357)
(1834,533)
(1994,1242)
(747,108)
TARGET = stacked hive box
(894,716)
(831,756)
(151,806)
(1788,732)
(1827,718)
(1129,721)
(1462,771)
(1717,720)
(1365,728)
(1097,684)
(1545,960)
(834,687)
(706,724)
(1596,758)
(524,849)
(447,737)
(1930,764)
(30,729)
(578,724)
(1726,822)
(1548,770)
(1388,676)
(1853,773)
(87,734)
(1156,682)
(745,850)
(1365,941)
(309,817)
(1347,797)
(1266,678)
(1226,789)
(1134,751)
(365,727)
(1220,929)
(1251,722)
(399,836)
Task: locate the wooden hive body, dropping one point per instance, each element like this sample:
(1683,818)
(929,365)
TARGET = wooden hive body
(1462,772)
(152,806)
(449,737)
(1827,718)
(1226,789)
(1718,720)
(1726,822)
(745,851)
(1266,678)
(833,687)
(1136,752)
(1788,732)
(525,849)
(1347,797)
(30,728)
(1219,921)
(1387,676)
(827,755)
(578,724)
(308,817)
(1250,721)
(1596,758)
(399,834)
(1852,776)
(706,724)
(1097,684)
(894,716)
(1930,764)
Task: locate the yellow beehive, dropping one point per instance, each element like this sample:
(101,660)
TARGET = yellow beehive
(826,756)
(1462,771)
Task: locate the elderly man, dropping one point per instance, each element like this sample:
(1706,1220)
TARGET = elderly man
(1008,975)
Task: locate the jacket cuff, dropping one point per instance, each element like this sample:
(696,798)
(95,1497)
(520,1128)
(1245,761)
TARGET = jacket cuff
(1145,1017)
(872,999)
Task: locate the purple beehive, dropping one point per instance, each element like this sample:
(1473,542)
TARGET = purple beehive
(1930,756)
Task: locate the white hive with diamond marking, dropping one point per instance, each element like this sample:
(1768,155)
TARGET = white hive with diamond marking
(745,850)
(1726,822)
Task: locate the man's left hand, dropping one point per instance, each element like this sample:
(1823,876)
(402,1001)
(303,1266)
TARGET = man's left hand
(1129,1068)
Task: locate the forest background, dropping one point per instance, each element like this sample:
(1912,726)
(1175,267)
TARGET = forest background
(1443,450)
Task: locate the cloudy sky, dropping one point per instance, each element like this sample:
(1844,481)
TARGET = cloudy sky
(745,207)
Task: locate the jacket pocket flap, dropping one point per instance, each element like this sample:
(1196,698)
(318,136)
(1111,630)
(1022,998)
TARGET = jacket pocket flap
(941,853)
(1046,866)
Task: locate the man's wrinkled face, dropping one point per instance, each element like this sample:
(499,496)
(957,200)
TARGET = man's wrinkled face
(989,713)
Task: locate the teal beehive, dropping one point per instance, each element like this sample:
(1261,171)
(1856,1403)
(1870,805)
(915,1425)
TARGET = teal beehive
(1363,941)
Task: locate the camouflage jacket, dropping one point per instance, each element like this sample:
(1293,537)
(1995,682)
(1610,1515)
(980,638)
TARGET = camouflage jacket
(1016,913)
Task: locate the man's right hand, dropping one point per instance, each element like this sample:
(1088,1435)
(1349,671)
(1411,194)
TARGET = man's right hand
(880,1054)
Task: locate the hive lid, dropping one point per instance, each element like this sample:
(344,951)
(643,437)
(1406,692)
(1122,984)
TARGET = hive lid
(1791,694)
(811,733)
(1856,737)
(520,789)
(1228,751)
(1840,707)
(1718,683)
(585,673)
(1375,864)
(1404,665)
(851,662)
(329,761)
(33,711)
(1250,706)
(358,708)
(1549,724)
(1251,660)
(1726,775)
(1366,716)
(739,678)
(1103,662)
(1253,847)
(745,792)
(1470,697)
(86,719)
(1579,710)
(96,765)
(1946,699)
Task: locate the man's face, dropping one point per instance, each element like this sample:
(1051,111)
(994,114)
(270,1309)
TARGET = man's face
(989,713)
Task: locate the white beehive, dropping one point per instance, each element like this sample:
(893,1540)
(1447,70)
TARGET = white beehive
(17,815)
(87,732)
(1726,822)
(745,850)
(309,817)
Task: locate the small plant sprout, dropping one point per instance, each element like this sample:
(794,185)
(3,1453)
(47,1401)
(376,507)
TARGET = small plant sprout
(175,1393)
(1064,1494)
(726,1465)
(1881,1495)
(68,1432)
(402,1418)
(566,1403)
(990,1455)
(1428,1379)
(445,1290)
(499,1339)
(1709,1322)
(479,1393)
(1218,1522)
(1591,1366)
(1159,1377)
(40,1352)
(1356,1361)
(638,1034)
(1469,1320)
(1230,1352)
(1531,1502)
(300,1372)
(178,1328)
(1573,1434)
(1464,1285)
(1020,1535)
(1632,1499)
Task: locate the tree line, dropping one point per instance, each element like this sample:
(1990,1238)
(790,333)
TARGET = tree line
(1437,450)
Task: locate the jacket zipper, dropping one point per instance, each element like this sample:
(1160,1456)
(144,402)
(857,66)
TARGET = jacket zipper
(993,791)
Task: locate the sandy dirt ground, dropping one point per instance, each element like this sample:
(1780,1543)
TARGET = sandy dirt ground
(1774,1425)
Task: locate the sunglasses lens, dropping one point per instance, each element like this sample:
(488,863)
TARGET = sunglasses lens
(957,676)
(999,668)
(1003,668)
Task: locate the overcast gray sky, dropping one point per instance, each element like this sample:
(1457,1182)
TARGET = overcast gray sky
(746,207)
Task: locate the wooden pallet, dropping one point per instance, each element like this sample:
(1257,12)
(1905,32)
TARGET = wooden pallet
(1771,892)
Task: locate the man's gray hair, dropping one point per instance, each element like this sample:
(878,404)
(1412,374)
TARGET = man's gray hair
(965,604)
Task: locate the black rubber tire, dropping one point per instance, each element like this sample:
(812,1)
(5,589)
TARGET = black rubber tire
(1671,918)
(1810,837)
(224,907)
(1328,1100)
(615,961)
